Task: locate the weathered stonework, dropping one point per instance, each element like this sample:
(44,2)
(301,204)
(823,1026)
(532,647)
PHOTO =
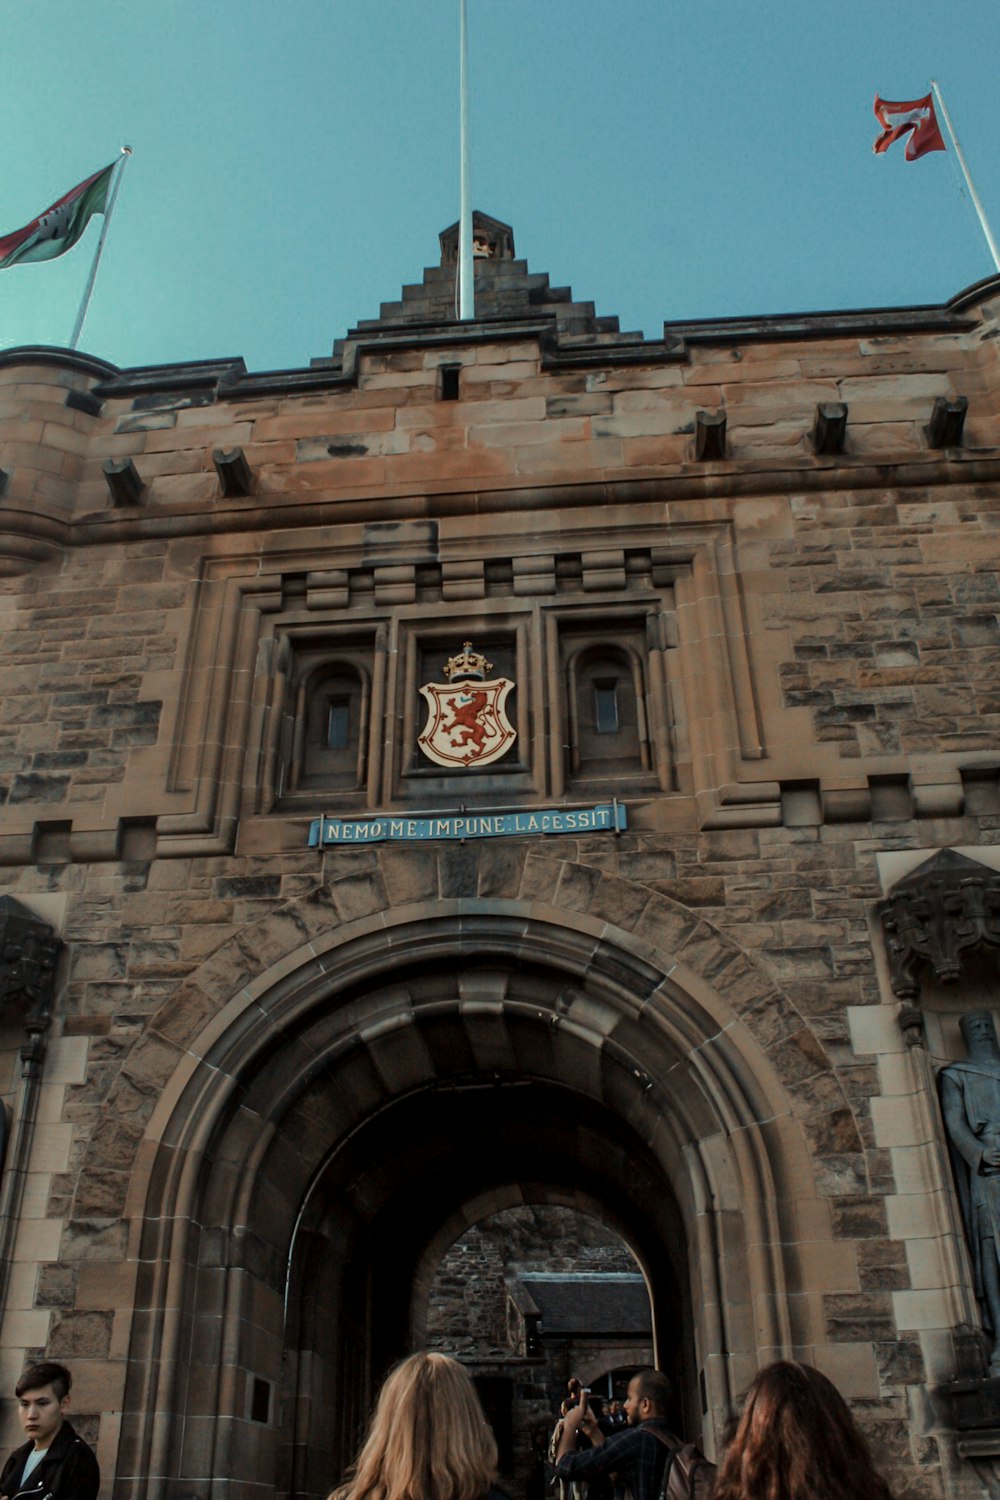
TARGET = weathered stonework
(282,1080)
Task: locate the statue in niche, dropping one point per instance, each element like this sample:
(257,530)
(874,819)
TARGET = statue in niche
(970,1102)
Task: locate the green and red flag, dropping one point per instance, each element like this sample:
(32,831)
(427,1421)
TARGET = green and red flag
(59,227)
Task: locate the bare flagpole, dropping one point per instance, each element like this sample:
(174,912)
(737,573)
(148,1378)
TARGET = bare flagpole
(88,290)
(976,201)
(466,282)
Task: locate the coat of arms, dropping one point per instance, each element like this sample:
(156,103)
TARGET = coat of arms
(466,723)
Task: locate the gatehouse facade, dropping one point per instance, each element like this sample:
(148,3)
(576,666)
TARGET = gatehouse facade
(503,763)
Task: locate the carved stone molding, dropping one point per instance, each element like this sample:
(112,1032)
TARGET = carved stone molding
(911,1024)
(945,908)
(29,952)
(970,1404)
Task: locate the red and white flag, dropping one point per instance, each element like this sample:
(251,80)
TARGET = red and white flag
(913,117)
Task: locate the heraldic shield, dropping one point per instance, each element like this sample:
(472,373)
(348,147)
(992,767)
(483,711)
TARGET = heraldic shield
(466,721)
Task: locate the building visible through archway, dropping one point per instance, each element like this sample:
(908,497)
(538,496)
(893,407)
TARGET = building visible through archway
(528,1297)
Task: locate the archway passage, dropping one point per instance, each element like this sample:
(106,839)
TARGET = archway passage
(336,1129)
(367,1241)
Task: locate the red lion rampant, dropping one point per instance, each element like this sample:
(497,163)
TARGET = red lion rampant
(464,725)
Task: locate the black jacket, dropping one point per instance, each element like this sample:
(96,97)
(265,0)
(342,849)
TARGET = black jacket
(68,1471)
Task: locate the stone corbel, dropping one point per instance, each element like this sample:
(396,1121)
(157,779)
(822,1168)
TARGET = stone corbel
(939,912)
(944,430)
(233,469)
(830,429)
(124,481)
(911,1024)
(710,436)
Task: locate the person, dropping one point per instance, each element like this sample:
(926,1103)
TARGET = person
(428,1440)
(537,1486)
(970,1103)
(797,1438)
(637,1455)
(55,1461)
(600,1486)
(566,1490)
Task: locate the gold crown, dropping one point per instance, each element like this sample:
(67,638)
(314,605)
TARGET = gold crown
(467,663)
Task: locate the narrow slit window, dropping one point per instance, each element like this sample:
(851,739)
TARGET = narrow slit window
(605,703)
(328,747)
(260,1400)
(606,719)
(338,723)
(449,375)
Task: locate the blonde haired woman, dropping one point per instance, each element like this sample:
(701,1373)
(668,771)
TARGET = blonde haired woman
(428,1439)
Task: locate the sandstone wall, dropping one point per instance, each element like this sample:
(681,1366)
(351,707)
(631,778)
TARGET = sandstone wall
(830,670)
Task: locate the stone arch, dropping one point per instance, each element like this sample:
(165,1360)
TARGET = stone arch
(620,998)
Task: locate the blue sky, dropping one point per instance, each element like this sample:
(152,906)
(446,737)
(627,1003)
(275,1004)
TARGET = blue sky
(668,159)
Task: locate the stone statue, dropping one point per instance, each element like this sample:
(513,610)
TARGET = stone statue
(970,1101)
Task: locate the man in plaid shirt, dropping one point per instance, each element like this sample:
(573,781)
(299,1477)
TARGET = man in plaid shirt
(633,1455)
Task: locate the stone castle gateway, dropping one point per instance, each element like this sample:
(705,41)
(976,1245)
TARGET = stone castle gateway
(743,582)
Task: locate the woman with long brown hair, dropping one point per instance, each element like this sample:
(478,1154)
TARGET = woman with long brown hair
(428,1439)
(797,1440)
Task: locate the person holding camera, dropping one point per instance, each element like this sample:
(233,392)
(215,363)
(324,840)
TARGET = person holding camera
(637,1455)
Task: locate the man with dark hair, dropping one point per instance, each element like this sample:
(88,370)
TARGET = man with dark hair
(636,1455)
(55,1462)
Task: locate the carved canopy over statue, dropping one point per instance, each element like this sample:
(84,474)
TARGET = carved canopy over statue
(947,907)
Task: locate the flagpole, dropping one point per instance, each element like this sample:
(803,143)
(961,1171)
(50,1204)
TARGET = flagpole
(88,290)
(466,283)
(976,201)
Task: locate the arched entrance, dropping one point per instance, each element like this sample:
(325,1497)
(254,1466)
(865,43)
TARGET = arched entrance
(365,1243)
(338,1122)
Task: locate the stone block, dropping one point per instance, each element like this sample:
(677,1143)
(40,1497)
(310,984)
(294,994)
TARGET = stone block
(916,1167)
(358,896)
(66,1060)
(860,1217)
(936,1264)
(852,1368)
(50,1147)
(101,1286)
(899,1121)
(875,1029)
(832,1133)
(925,1215)
(860,1317)
(824,1267)
(86,1335)
(26,1330)
(927,1308)
(499,373)
(500,870)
